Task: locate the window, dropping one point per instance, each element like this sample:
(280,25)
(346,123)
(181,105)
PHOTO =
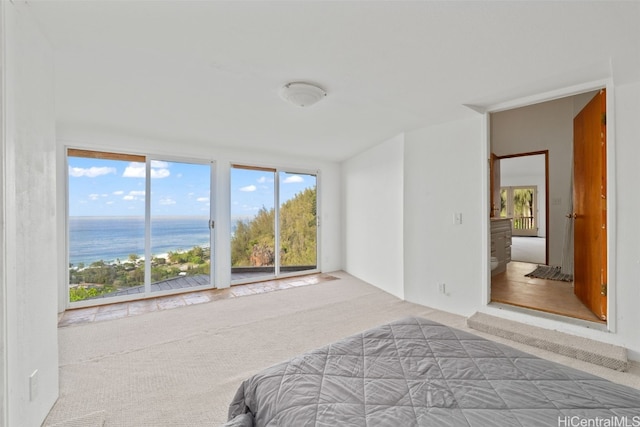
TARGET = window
(274,222)
(137,226)
(520,203)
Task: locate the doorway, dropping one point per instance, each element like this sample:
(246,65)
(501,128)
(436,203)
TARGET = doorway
(274,229)
(523,185)
(550,125)
(138,226)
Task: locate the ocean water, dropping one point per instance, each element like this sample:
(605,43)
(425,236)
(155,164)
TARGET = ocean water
(109,238)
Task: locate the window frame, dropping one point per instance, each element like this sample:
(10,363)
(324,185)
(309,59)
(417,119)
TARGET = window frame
(123,155)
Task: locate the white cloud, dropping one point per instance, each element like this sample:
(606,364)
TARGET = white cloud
(262,180)
(95,196)
(248,188)
(160,173)
(293,179)
(159,164)
(137,170)
(167,201)
(134,195)
(134,170)
(202,199)
(91,172)
(118,193)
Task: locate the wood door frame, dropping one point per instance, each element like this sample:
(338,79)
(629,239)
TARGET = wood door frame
(540,97)
(545,153)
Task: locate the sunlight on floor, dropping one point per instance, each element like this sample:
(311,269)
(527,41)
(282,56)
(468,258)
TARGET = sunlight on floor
(133,308)
(528,249)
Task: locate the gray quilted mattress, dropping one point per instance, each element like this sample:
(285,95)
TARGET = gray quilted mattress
(415,372)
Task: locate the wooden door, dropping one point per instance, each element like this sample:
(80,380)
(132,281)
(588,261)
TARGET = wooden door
(494,185)
(590,205)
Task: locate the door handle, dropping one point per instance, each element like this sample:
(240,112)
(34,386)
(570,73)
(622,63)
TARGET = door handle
(572,215)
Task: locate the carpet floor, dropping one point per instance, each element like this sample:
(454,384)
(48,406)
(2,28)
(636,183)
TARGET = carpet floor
(181,367)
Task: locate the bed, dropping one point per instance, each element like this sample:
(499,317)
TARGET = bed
(416,372)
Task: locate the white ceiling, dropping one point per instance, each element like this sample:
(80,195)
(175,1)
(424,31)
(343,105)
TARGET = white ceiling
(209,72)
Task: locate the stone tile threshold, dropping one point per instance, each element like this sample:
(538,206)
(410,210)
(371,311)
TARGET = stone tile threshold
(133,308)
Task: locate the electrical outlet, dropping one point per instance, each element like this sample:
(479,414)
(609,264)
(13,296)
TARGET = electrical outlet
(33,386)
(442,288)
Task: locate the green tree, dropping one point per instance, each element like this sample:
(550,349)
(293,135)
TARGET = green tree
(254,241)
(298,231)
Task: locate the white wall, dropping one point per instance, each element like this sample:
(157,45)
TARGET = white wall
(625,255)
(442,171)
(328,190)
(3,282)
(29,188)
(444,167)
(545,126)
(373,204)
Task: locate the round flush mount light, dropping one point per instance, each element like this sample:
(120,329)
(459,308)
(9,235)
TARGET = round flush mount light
(302,94)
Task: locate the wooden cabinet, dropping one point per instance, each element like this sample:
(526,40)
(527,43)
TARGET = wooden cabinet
(501,242)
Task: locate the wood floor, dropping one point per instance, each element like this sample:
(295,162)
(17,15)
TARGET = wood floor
(551,296)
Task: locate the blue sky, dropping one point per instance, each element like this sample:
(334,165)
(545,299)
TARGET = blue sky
(99,187)
(254,189)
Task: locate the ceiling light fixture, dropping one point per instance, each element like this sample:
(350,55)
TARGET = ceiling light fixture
(302,94)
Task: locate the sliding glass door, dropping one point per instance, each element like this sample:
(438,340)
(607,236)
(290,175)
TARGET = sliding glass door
(297,225)
(180,226)
(253,245)
(136,226)
(274,223)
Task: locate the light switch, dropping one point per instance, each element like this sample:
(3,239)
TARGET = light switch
(457,218)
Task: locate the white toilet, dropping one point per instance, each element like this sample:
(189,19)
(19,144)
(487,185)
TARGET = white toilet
(494,263)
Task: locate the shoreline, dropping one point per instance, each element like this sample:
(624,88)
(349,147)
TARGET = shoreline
(106,238)
(125,259)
